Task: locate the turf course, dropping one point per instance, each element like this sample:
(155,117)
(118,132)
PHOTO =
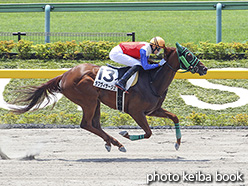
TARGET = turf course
(174,26)
(65,112)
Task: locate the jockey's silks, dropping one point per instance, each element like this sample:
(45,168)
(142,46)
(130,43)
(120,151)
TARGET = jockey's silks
(132,48)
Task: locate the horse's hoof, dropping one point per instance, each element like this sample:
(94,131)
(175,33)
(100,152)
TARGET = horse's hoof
(123,133)
(122,149)
(177,146)
(108,147)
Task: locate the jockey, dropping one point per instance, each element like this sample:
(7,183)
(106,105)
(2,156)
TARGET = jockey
(136,55)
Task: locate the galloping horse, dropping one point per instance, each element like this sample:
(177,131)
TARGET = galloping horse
(144,99)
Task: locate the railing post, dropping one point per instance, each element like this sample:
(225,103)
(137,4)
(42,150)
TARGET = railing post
(19,34)
(218,22)
(47,23)
(133,36)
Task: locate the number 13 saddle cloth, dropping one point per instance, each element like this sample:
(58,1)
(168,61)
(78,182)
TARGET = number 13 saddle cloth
(108,75)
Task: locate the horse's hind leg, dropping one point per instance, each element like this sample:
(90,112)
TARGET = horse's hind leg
(86,96)
(86,123)
(96,124)
(166,114)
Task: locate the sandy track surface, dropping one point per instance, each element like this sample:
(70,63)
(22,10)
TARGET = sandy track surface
(76,157)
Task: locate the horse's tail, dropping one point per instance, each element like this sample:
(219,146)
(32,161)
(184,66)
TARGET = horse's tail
(33,96)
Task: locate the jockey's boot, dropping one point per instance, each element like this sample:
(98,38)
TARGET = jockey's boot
(121,84)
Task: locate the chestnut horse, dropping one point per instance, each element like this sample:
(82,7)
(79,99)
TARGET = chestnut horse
(144,99)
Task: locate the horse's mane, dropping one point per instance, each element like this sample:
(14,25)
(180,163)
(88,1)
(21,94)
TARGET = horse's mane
(168,51)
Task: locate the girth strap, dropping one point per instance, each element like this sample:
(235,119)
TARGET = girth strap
(120,100)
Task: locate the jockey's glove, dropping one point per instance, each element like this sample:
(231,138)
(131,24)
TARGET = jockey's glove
(162,62)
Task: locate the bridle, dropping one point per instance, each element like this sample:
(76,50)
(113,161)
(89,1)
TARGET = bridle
(188,66)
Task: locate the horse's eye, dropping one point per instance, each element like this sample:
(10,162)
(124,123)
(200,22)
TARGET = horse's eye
(189,57)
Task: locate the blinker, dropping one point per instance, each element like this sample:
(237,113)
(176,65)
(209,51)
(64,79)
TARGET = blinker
(189,65)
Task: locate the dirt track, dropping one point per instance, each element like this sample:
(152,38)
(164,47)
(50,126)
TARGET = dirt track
(75,157)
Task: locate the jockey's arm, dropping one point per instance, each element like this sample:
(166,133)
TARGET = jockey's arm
(144,61)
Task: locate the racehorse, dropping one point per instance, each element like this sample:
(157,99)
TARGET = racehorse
(144,99)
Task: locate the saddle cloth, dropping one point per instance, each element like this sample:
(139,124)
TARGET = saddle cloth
(108,75)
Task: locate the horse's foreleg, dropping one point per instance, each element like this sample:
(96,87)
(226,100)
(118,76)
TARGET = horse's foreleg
(142,122)
(166,114)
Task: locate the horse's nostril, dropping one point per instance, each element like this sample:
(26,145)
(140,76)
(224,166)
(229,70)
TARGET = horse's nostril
(204,70)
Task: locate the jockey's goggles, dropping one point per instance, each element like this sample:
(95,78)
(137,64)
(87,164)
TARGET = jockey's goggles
(157,48)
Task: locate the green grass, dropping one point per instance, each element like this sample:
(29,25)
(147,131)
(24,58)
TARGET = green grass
(173,102)
(174,26)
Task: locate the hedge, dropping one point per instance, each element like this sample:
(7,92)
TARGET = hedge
(90,50)
(225,51)
(121,119)
(87,50)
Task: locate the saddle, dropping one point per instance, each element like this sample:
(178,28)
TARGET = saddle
(122,71)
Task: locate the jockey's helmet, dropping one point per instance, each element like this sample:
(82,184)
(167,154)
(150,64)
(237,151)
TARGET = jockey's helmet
(157,43)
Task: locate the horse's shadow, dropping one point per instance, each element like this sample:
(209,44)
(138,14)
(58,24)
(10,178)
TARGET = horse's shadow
(106,160)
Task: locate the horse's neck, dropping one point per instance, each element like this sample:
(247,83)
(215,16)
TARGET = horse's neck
(165,75)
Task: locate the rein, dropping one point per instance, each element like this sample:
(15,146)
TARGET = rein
(171,67)
(152,78)
(155,76)
(151,82)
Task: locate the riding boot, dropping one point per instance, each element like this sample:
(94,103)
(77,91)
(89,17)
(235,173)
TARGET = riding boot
(121,84)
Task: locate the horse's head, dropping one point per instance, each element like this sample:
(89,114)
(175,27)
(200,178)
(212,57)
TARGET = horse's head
(189,62)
